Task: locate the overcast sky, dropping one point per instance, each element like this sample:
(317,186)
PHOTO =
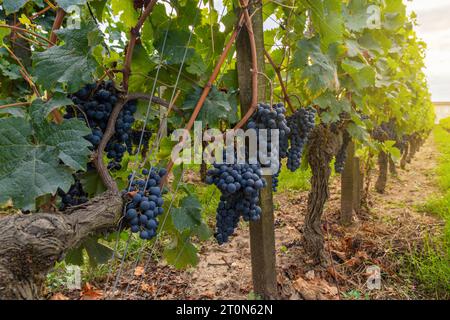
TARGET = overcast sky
(434,29)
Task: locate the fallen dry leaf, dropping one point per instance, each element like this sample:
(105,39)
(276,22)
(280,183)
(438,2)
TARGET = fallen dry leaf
(310,275)
(363,255)
(149,288)
(59,296)
(341,255)
(352,262)
(305,289)
(139,271)
(90,292)
(317,289)
(336,275)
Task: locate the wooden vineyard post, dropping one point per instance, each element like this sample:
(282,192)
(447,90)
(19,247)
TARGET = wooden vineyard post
(358,185)
(262,233)
(348,184)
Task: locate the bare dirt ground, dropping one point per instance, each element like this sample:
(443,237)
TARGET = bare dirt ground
(379,238)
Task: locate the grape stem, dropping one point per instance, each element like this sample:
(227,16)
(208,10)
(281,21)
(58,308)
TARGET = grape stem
(23,71)
(26,31)
(280,78)
(98,156)
(247,20)
(156,100)
(17,104)
(254,102)
(206,90)
(102,170)
(36,15)
(60,14)
(133,38)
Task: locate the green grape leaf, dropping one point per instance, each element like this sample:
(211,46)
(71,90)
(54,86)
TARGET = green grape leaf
(141,65)
(217,107)
(37,173)
(98,7)
(165,148)
(395,15)
(318,70)
(175,46)
(375,42)
(362,74)
(71,63)
(16,112)
(357,132)
(12,71)
(12,6)
(327,15)
(68,139)
(203,232)
(332,106)
(39,109)
(188,215)
(356,16)
(75,256)
(181,255)
(4,32)
(125,8)
(92,183)
(66,4)
(30,158)
(196,66)
(98,253)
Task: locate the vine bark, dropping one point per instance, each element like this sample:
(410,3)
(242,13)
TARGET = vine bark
(323,145)
(31,244)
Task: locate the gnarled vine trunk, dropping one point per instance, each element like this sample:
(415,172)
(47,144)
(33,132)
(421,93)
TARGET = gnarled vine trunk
(404,159)
(413,148)
(392,167)
(323,145)
(383,162)
(31,244)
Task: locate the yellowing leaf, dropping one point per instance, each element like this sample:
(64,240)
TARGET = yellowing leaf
(25,21)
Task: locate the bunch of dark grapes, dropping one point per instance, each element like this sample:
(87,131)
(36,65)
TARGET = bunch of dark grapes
(272,118)
(389,129)
(240,185)
(74,197)
(121,140)
(136,138)
(94,104)
(146,203)
(341,156)
(301,123)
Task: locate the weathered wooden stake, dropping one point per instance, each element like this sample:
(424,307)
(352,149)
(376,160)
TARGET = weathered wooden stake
(262,234)
(358,186)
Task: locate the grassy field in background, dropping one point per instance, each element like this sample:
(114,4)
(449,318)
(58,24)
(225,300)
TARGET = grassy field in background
(431,264)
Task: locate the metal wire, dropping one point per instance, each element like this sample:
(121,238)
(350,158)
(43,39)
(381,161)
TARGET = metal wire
(140,143)
(159,138)
(182,248)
